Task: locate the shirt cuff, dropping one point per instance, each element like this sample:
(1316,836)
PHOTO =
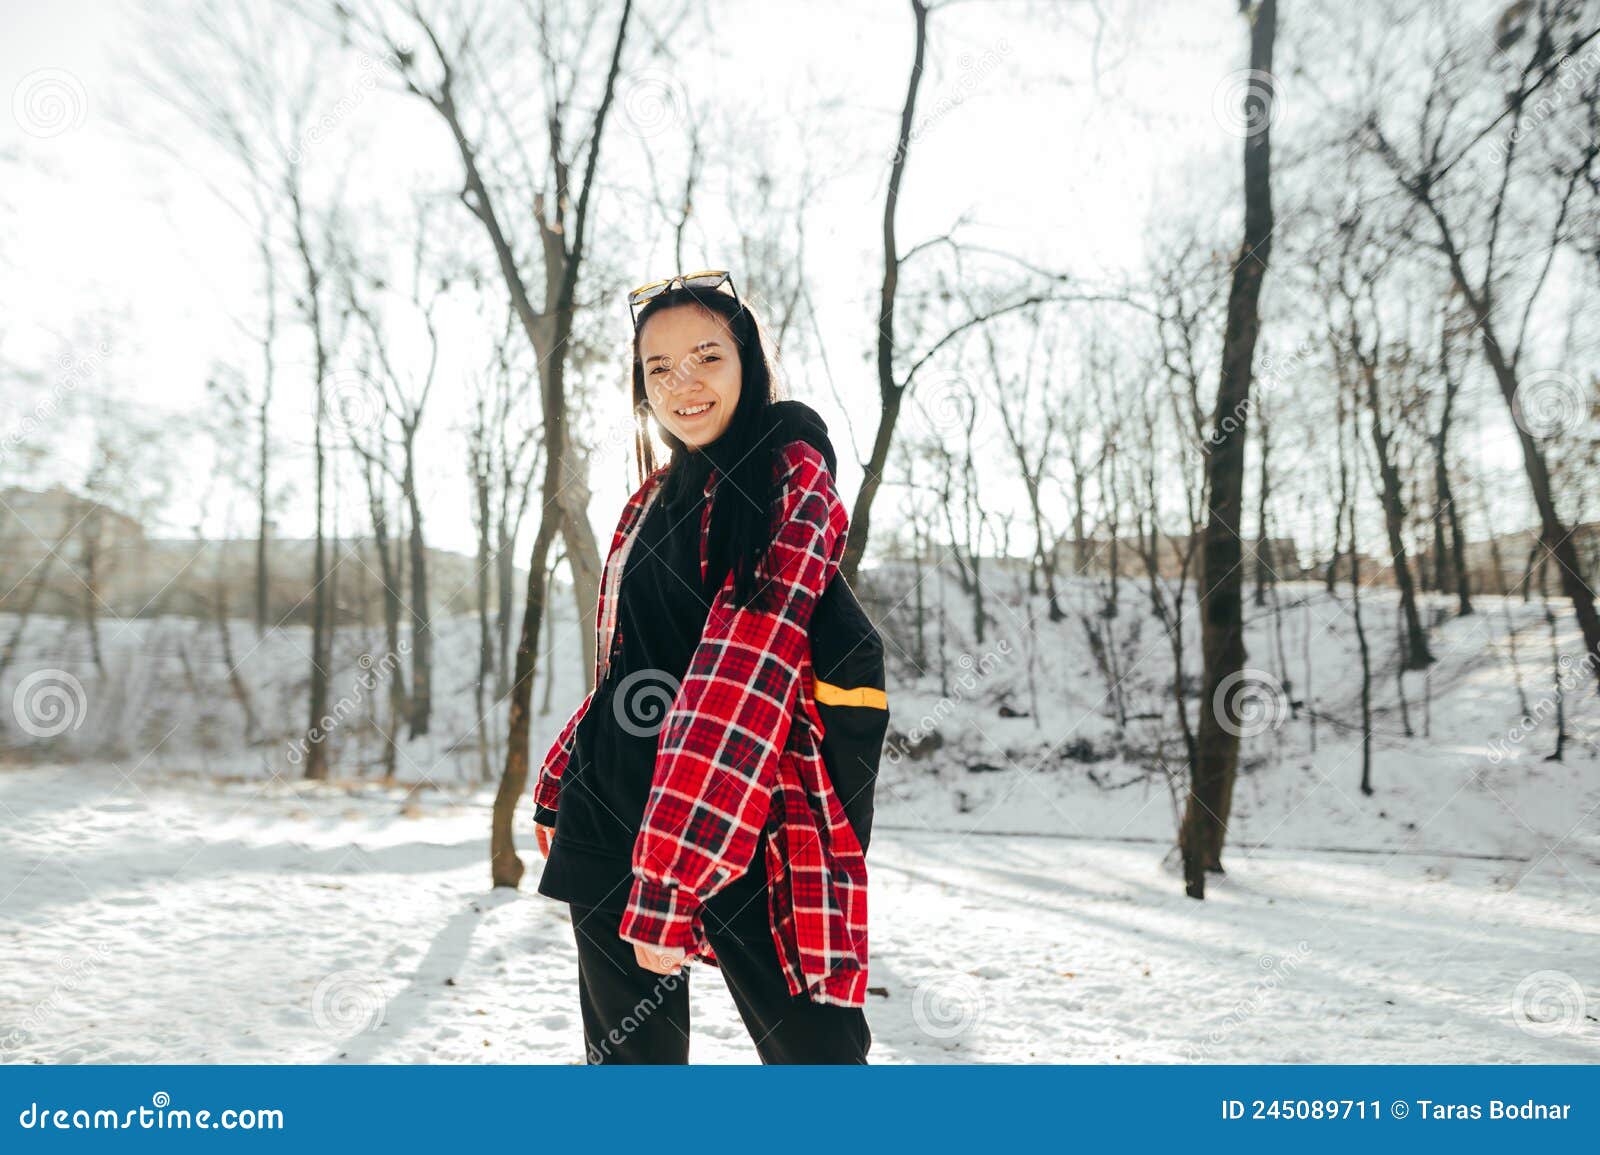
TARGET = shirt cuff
(660,914)
(543,815)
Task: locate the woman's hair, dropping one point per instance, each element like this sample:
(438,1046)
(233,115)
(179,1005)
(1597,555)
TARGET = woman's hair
(741,512)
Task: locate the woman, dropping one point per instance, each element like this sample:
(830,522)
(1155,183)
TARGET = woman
(685,811)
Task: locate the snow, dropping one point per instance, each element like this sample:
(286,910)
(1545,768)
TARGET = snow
(152,919)
(178,899)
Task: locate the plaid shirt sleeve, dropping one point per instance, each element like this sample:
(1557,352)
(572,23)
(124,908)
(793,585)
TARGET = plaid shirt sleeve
(547,792)
(717,757)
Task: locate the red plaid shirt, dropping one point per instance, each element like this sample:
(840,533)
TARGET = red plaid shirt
(740,752)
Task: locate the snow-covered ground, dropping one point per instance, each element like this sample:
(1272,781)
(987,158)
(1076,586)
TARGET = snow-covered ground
(170,894)
(152,920)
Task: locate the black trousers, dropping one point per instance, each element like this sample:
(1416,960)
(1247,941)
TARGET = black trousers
(632,1015)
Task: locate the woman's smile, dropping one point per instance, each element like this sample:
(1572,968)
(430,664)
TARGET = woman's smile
(692,373)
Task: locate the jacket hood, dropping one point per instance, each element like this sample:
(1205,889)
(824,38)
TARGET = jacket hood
(797,421)
(785,422)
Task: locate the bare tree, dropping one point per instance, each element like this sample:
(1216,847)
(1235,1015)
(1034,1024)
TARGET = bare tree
(312,260)
(1362,356)
(899,366)
(1349,501)
(229,429)
(1176,453)
(502,446)
(404,396)
(1030,413)
(1450,555)
(561,212)
(235,77)
(391,567)
(1469,216)
(1205,819)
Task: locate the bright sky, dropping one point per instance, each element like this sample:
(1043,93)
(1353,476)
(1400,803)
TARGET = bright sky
(1049,163)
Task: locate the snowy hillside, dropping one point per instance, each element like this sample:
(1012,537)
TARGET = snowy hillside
(173,894)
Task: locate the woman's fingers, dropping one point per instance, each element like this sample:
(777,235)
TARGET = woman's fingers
(542,837)
(659,960)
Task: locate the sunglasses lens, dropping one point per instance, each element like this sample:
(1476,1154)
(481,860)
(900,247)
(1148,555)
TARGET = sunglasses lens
(708,279)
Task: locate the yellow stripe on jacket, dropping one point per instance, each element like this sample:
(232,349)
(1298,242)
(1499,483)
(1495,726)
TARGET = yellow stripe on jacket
(827,694)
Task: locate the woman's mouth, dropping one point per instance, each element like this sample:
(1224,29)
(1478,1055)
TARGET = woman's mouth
(689,411)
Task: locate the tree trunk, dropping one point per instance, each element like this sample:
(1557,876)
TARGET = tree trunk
(263,489)
(550,335)
(35,589)
(889,391)
(421,621)
(1554,534)
(1366,658)
(1205,819)
(1451,563)
(583,556)
(236,683)
(505,602)
(480,684)
(1264,574)
(1415,649)
(91,585)
(1558,686)
(506,866)
(389,570)
(321,640)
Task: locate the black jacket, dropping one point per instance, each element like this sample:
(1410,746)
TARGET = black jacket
(662,608)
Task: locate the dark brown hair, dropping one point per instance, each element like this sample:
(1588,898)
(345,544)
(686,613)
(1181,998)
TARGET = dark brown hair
(741,512)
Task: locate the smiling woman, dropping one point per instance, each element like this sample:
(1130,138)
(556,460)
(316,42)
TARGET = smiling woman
(686,811)
(691,373)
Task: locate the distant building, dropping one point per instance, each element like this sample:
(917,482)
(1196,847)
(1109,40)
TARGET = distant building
(1519,558)
(1093,557)
(59,552)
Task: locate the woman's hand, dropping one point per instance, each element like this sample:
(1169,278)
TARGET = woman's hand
(542,835)
(661,960)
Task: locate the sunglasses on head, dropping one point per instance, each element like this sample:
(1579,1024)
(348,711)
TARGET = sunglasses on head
(706,279)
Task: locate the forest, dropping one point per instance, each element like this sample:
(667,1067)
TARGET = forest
(1217,395)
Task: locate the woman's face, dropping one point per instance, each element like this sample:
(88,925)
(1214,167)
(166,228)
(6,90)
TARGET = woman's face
(691,373)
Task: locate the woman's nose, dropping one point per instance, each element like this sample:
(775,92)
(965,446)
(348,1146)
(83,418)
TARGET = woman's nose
(683,377)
